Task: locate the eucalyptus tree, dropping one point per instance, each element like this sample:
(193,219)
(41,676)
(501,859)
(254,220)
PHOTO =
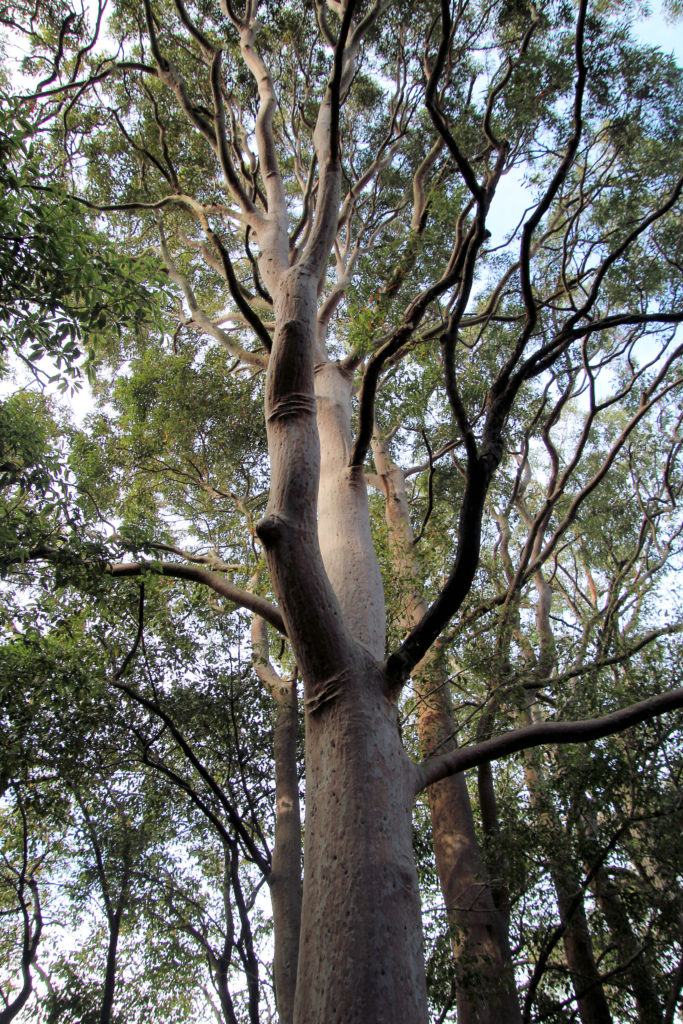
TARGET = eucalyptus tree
(324,185)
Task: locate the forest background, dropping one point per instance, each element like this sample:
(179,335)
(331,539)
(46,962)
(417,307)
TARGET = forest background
(485,498)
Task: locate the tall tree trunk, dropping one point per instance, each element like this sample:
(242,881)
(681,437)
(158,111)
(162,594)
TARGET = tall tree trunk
(285,876)
(649,1007)
(576,937)
(578,948)
(485,979)
(361,956)
(360,953)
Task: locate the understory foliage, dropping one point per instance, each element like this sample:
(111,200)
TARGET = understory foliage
(487,199)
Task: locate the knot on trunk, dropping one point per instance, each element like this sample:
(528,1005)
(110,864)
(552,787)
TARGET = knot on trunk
(269,530)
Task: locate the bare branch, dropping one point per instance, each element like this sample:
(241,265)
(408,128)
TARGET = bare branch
(197,574)
(537,735)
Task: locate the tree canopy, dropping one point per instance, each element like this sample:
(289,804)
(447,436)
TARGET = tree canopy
(359,585)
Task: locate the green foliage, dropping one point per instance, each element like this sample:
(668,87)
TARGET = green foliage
(61,287)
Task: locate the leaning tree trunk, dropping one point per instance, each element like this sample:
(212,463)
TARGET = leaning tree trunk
(360,955)
(479,938)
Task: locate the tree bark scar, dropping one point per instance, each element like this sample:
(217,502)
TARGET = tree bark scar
(326,691)
(296,404)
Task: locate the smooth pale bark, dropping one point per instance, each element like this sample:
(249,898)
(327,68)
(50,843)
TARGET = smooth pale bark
(360,955)
(343,515)
(479,938)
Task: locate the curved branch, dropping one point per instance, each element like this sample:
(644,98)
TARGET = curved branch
(437,116)
(335,83)
(229,172)
(537,735)
(256,855)
(212,579)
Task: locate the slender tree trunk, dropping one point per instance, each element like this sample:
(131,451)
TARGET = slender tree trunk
(30,945)
(360,953)
(223,989)
(576,936)
(14,1008)
(285,876)
(578,948)
(107,1003)
(648,1005)
(284,880)
(485,979)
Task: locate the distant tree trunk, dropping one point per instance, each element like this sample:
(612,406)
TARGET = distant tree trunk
(284,880)
(485,979)
(285,877)
(578,948)
(576,936)
(648,1005)
(360,954)
(107,1003)
(31,938)
(223,989)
